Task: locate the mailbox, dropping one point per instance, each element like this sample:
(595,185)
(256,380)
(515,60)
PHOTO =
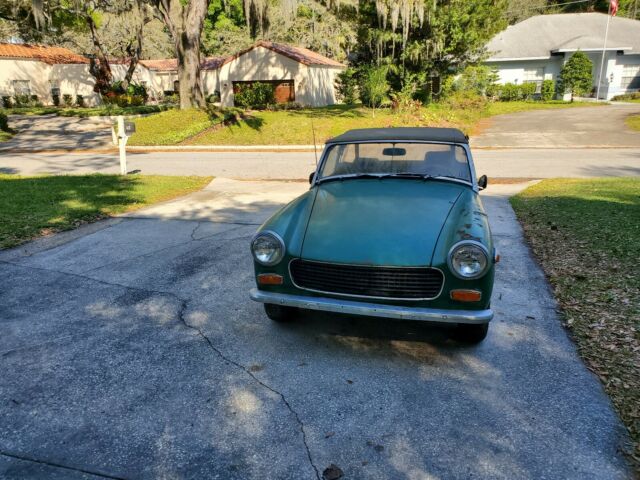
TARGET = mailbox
(129,128)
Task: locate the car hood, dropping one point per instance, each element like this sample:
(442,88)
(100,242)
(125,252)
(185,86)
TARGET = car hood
(378,222)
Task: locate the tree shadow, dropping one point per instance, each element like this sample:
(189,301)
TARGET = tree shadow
(30,207)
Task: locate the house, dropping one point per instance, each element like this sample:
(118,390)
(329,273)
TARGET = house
(297,74)
(44,71)
(536,49)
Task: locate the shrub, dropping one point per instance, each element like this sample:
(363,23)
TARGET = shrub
(627,96)
(527,91)
(548,90)
(575,76)
(56,99)
(67,100)
(254,95)
(4,123)
(7,101)
(374,87)
(285,106)
(170,98)
(466,100)
(22,100)
(509,92)
(80,101)
(347,86)
(475,79)
(214,97)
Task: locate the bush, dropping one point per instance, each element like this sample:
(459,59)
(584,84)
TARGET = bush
(22,101)
(254,95)
(374,87)
(548,90)
(170,98)
(466,101)
(4,123)
(80,101)
(509,92)
(627,96)
(214,97)
(475,79)
(527,91)
(56,99)
(403,99)
(575,76)
(285,106)
(7,101)
(347,86)
(67,100)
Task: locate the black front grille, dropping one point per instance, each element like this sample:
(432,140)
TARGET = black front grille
(384,282)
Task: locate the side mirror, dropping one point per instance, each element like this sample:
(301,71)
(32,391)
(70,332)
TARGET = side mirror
(311,175)
(482,182)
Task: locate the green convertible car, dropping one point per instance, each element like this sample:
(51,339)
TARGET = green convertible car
(392,226)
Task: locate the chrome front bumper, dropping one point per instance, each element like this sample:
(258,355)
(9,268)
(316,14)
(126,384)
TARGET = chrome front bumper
(373,309)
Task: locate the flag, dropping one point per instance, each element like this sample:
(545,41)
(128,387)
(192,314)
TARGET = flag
(613,7)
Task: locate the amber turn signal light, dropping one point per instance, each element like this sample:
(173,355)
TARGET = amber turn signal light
(466,295)
(270,279)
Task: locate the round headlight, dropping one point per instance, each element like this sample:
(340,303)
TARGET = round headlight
(468,260)
(267,248)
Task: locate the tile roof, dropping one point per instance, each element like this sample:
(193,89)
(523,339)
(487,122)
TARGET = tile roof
(162,65)
(299,54)
(213,63)
(542,35)
(43,53)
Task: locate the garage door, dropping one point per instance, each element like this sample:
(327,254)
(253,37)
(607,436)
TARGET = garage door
(284,90)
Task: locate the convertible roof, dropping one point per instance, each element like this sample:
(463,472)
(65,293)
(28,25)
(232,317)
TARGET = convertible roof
(420,134)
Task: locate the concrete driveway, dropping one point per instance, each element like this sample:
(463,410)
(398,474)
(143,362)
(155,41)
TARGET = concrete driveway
(50,132)
(582,127)
(130,349)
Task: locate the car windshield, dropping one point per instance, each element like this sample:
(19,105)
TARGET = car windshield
(401,159)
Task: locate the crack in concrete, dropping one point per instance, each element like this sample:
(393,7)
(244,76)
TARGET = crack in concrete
(49,463)
(183,307)
(193,232)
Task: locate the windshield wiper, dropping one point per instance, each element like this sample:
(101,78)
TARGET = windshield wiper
(349,176)
(422,176)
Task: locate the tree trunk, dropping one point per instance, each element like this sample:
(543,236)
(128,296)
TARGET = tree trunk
(101,70)
(186,35)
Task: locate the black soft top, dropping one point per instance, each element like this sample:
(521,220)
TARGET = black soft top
(415,134)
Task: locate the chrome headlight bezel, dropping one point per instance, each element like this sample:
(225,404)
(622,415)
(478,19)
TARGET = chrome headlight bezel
(277,258)
(473,244)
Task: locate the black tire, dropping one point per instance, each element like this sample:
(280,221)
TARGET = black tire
(472,333)
(279,313)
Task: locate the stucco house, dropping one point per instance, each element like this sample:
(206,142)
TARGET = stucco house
(298,74)
(44,71)
(536,49)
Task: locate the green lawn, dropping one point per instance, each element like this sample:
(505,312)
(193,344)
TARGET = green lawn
(586,234)
(633,122)
(36,206)
(4,136)
(171,127)
(86,112)
(293,127)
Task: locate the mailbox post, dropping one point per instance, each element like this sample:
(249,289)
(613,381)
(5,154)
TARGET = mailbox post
(125,129)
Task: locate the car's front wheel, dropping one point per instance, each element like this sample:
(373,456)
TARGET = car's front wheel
(471,333)
(279,313)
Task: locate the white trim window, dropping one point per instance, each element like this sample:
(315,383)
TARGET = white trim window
(21,87)
(630,77)
(534,75)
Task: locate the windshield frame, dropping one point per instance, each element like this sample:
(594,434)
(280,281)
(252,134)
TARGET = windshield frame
(465,146)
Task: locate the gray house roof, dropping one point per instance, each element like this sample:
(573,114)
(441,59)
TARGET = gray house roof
(543,35)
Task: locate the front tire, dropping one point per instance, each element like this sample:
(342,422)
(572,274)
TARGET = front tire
(472,333)
(279,313)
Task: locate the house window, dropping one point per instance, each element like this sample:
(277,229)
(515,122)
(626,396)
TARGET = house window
(176,85)
(630,77)
(21,87)
(534,75)
(55,87)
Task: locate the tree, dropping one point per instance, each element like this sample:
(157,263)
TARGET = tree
(576,75)
(184,20)
(375,87)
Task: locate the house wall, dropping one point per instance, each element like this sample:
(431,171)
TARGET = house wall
(210,81)
(36,72)
(513,71)
(75,80)
(313,85)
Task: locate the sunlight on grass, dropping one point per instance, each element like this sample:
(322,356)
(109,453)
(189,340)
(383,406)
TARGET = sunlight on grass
(586,234)
(170,127)
(633,122)
(33,206)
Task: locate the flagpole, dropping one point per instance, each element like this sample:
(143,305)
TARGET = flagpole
(604,49)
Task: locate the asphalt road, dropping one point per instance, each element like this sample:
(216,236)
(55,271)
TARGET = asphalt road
(130,349)
(525,163)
